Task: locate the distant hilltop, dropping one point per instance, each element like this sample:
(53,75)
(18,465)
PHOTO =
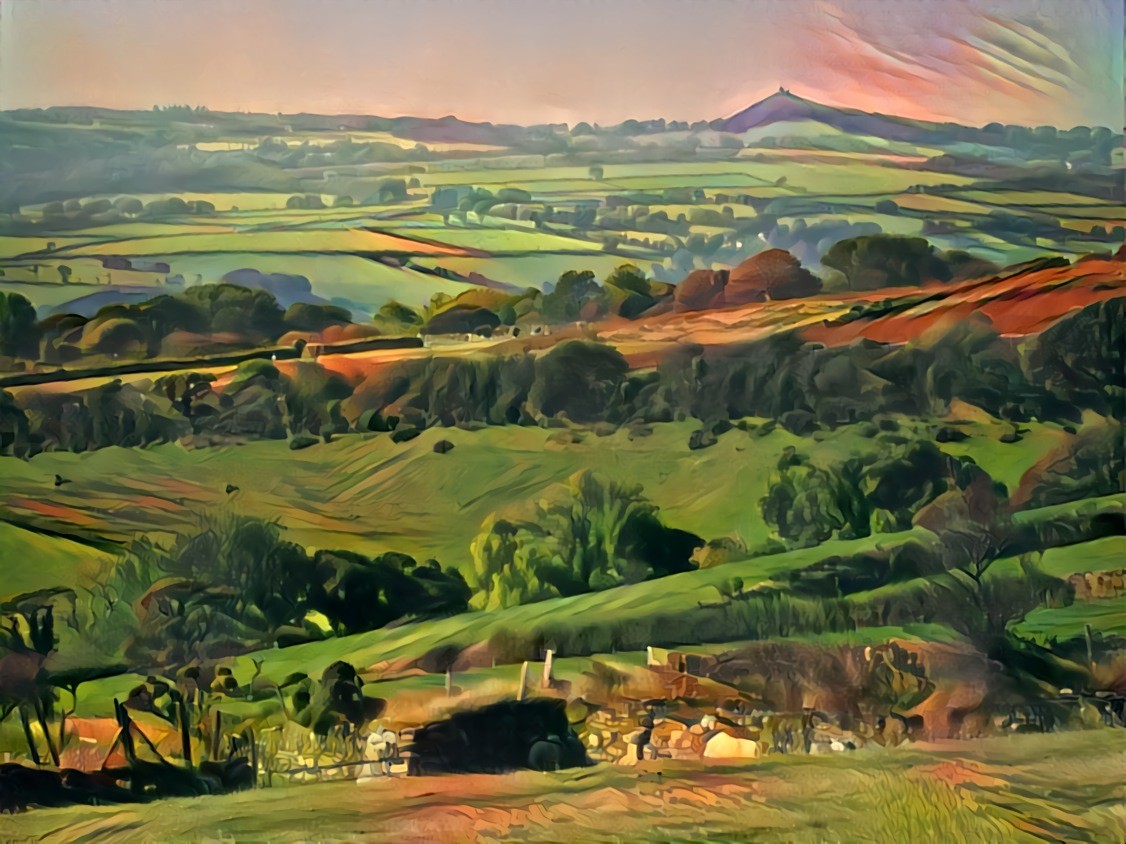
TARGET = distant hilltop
(785,106)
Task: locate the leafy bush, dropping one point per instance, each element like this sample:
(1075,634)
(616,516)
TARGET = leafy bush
(1080,359)
(336,701)
(807,504)
(234,584)
(357,593)
(590,535)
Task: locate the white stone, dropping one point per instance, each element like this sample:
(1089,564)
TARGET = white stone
(724,746)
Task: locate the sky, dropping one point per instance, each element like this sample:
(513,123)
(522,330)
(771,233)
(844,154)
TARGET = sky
(1032,62)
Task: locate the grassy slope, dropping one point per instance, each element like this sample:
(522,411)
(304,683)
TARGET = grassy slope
(680,594)
(1063,787)
(1099,555)
(1106,616)
(31,560)
(369,494)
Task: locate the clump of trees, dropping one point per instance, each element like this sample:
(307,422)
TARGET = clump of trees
(19,330)
(883,260)
(591,534)
(880,491)
(580,380)
(1081,358)
(236,314)
(802,385)
(258,402)
(576,296)
(235,583)
(357,593)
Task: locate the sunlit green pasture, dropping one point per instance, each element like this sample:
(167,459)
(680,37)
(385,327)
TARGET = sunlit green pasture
(366,493)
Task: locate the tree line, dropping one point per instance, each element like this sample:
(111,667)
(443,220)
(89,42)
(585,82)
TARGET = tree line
(244,311)
(1055,375)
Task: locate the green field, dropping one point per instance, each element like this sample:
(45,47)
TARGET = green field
(1100,555)
(32,560)
(1030,198)
(330,246)
(363,282)
(959,626)
(502,241)
(1107,617)
(222,200)
(366,493)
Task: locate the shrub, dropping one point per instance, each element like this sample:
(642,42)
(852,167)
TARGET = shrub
(592,534)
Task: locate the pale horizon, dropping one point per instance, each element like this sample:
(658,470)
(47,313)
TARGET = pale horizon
(496,61)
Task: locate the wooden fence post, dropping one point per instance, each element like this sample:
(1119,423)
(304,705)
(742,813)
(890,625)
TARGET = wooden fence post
(253,741)
(216,735)
(548,665)
(523,681)
(185,735)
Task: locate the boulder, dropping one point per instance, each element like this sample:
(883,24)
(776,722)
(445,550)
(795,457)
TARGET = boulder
(724,746)
(774,274)
(664,731)
(402,435)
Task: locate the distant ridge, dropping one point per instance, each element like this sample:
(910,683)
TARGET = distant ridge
(783,106)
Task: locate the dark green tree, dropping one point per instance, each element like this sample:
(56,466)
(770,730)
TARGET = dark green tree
(19,331)
(580,379)
(885,260)
(591,534)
